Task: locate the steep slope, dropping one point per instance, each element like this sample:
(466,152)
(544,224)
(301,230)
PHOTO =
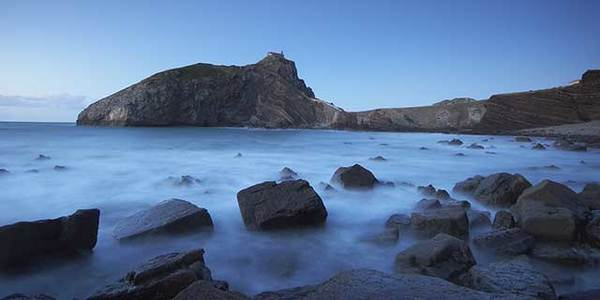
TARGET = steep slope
(266,94)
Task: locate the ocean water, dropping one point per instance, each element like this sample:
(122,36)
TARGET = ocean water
(123,170)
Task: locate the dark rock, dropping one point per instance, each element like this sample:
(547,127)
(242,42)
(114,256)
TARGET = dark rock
(425,204)
(522,139)
(354,177)
(4,172)
(361,284)
(490,152)
(326,186)
(423,148)
(42,157)
(287,174)
(593,294)
(538,146)
(475,146)
(174,216)
(431,191)
(162,277)
(550,211)
(513,277)
(455,142)
(504,220)
(23,241)
(590,196)
(442,194)
(468,186)
(592,231)
(452,203)
(32,171)
(567,145)
(442,256)
(512,241)
(28,297)
(561,253)
(185,180)
(203,289)
(500,189)
(459,154)
(59,168)
(238,155)
(269,205)
(452,221)
(399,221)
(479,218)
(378,158)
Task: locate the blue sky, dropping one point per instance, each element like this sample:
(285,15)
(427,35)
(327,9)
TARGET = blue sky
(61,55)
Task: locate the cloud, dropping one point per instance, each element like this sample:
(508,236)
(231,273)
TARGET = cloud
(52,108)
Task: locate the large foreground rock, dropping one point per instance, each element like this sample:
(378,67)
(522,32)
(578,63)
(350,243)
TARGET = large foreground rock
(23,241)
(206,290)
(355,176)
(363,284)
(270,205)
(452,221)
(161,278)
(512,241)
(514,277)
(443,256)
(551,211)
(500,189)
(172,216)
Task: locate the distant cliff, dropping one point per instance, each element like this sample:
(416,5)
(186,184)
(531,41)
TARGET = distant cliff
(270,94)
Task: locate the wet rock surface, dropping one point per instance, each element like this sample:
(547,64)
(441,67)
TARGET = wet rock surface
(504,220)
(355,176)
(512,241)
(270,205)
(452,221)
(23,242)
(173,216)
(500,189)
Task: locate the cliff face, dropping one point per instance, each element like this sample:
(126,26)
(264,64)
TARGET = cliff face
(270,94)
(266,94)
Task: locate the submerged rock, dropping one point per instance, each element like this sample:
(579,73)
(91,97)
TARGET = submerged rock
(567,145)
(270,205)
(431,191)
(454,142)
(378,158)
(425,204)
(24,241)
(287,174)
(512,241)
(355,176)
(399,221)
(475,146)
(59,168)
(42,157)
(4,172)
(452,221)
(160,278)
(174,216)
(443,256)
(513,277)
(538,146)
(361,284)
(185,180)
(522,139)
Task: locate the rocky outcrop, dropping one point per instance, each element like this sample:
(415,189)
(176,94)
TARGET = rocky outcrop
(270,94)
(363,284)
(160,278)
(271,205)
(24,241)
(172,216)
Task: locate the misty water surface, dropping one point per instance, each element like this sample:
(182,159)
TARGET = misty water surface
(123,170)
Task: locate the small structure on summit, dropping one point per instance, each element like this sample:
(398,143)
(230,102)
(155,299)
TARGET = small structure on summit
(276,54)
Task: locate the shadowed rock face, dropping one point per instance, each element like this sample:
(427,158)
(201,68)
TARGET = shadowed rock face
(270,94)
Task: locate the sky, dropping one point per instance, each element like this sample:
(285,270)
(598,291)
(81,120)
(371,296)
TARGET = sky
(58,56)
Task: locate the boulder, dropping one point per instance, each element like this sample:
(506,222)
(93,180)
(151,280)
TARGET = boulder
(513,277)
(452,221)
(550,211)
(23,241)
(361,284)
(203,289)
(522,139)
(504,220)
(443,256)
(287,174)
(399,221)
(475,146)
(590,196)
(354,177)
(270,205)
(431,191)
(500,189)
(162,277)
(479,218)
(425,204)
(468,186)
(512,241)
(173,216)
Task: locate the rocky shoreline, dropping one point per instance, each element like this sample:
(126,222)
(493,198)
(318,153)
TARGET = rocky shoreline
(523,223)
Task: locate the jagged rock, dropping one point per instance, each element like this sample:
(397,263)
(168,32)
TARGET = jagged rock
(478,218)
(452,221)
(550,211)
(475,146)
(361,284)
(28,297)
(522,139)
(287,174)
(24,241)
(468,186)
(504,220)
(269,205)
(162,277)
(173,216)
(512,241)
(42,157)
(354,177)
(443,256)
(203,289)
(538,146)
(425,204)
(513,277)
(378,158)
(590,196)
(500,189)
